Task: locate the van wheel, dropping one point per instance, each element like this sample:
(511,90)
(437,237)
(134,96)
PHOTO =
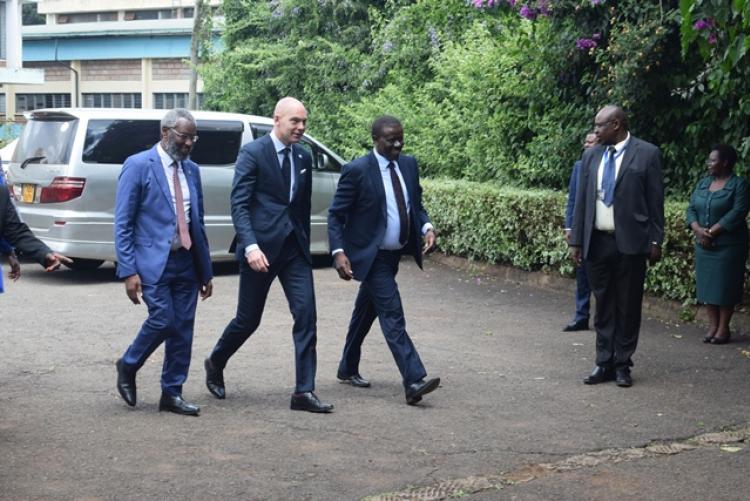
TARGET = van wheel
(81,264)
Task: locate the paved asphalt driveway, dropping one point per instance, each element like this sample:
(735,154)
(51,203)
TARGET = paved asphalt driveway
(512,419)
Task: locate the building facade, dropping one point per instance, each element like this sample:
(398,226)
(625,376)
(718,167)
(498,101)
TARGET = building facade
(118,53)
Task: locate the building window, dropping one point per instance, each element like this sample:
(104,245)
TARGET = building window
(169,100)
(117,100)
(28,102)
(143,15)
(188,11)
(2,104)
(86,17)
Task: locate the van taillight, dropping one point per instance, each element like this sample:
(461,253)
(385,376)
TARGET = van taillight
(62,189)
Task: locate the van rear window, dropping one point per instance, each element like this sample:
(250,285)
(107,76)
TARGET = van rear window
(112,141)
(49,140)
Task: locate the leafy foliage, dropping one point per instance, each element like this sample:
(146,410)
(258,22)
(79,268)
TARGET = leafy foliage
(523,228)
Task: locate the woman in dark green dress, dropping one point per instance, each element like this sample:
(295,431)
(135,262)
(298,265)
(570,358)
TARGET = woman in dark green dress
(716,214)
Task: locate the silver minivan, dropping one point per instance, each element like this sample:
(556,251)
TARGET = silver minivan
(63,175)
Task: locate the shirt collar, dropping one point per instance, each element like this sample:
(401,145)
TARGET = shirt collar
(382,161)
(277,144)
(166,160)
(622,144)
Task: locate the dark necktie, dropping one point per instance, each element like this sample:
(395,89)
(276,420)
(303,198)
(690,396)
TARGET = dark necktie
(180,210)
(286,170)
(403,220)
(608,178)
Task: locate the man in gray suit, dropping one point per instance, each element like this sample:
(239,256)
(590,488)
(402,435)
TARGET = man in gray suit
(618,223)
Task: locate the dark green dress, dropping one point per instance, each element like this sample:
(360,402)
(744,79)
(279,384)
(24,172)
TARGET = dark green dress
(720,270)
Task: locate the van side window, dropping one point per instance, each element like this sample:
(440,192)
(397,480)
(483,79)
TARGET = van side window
(113,141)
(219,142)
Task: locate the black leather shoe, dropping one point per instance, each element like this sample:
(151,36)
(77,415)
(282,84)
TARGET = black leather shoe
(622,377)
(214,379)
(600,375)
(415,391)
(581,325)
(309,402)
(354,380)
(126,383)
(175,403)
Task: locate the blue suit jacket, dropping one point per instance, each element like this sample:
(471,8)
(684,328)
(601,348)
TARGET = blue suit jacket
(261,210)
(572,185)
(145,219)
(357,216)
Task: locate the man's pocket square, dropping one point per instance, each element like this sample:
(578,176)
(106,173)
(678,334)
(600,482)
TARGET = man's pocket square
(303,171)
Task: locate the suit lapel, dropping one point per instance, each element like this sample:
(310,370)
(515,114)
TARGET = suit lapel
(377,182)
(627,158)
(297,160)
(272,159)
(406,173)
(161,177)
(596,161)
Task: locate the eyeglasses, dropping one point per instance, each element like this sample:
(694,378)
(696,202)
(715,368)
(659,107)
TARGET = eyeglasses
(603,125)
(184,137)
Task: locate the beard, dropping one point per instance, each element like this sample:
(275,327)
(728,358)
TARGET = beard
(173,150)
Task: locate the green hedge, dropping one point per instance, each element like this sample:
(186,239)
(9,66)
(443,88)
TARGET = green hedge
(523,228)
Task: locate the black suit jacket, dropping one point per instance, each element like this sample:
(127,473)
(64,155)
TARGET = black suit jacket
(358,213)
(638,204)
(17,233)
(261,210)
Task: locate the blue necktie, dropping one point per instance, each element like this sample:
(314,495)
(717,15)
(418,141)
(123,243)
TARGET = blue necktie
(608,178)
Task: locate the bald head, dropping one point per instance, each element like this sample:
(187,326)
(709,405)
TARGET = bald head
(611,125)
(289,120)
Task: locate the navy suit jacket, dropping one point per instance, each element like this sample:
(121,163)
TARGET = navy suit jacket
(572,188)
(145,219)
(261,210)
(357,216)
(638,204)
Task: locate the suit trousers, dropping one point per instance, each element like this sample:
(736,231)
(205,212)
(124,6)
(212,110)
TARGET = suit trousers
(379,297)
(583,295)
(616,280)
(295,275)
(171,302)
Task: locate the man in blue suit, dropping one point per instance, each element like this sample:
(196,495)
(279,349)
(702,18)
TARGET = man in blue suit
(162,253)
(375,217)
(583,291)
(271,197)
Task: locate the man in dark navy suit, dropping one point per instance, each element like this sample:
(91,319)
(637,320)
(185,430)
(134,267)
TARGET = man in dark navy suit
(583,290)
(271,197)
(162,253)
(375,217)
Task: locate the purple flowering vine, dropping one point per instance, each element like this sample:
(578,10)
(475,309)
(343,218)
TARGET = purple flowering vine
(586,44)
(704,24)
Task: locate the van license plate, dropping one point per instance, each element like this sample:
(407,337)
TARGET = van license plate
(29,190)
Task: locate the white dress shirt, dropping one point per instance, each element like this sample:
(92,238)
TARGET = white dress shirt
(166,162)
(605,216)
